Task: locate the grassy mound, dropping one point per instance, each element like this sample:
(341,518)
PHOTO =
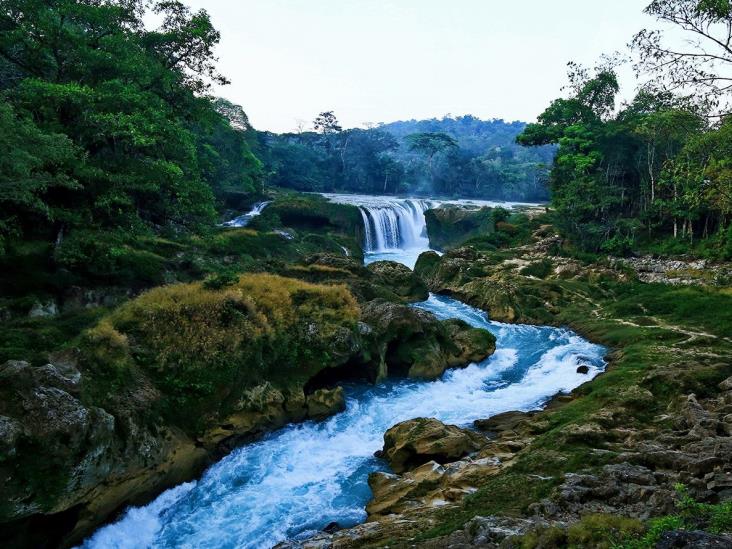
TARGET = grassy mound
(202,347)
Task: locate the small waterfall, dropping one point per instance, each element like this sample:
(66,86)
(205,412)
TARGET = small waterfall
(243,220)
(397,224)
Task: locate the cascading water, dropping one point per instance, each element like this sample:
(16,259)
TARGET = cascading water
(244,219)
(396,225)
(395,228)
(301,478)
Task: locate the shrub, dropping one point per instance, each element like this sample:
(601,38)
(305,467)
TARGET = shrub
(539,269)
(220,280)
(602,530)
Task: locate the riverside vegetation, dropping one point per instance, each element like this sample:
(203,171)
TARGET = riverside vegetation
(140,341)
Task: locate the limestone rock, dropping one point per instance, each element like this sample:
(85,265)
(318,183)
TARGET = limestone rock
(506,421)
(391,493)
(411,443)
(400,279)
(326,402)
(43,309)
(696,539)
(413,343)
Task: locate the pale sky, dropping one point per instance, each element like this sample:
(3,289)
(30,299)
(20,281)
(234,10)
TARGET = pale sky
(384,60)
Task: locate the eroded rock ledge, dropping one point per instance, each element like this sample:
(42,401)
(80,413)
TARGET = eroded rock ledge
(183,374)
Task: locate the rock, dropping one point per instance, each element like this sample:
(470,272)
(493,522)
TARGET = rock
(583,369)
(392,493)
(10,430)
(449,225)
(400,279)
(695,539)
(326,402)
(619,488)
(411,443)
(413,343)
(43,309)
(507,421)
(332,527)
(636,398)
(726,385)
(569,270)
(492,531)
(587,433)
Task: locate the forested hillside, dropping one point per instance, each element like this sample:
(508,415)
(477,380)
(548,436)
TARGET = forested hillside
(107,129)
(453,156)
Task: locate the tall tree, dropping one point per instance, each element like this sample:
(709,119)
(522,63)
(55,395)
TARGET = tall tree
(698,67)
(132,101)
(430,144)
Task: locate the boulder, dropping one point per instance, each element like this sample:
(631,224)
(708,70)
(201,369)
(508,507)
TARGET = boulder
(507,421)
(400,279)
(326,402)
(583,369)
(392,493)
(414,442)
(413,343)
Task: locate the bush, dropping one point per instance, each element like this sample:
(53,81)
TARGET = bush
(539,269)
(220,280)
(602,531)
(111,257)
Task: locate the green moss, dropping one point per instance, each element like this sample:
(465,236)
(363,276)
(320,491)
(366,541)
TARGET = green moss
(202,347)
(33,339)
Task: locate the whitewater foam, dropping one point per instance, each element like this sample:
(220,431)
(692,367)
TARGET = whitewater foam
(299,479)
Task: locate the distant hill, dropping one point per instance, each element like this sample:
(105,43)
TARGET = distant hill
(453,156)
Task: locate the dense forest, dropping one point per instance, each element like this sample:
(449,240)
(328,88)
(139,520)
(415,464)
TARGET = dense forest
(452,156)
(108,130)
(655,173)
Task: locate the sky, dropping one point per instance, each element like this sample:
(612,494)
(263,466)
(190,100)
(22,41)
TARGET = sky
(376,61)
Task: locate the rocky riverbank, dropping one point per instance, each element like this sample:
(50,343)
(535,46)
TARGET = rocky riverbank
(639,456)
(182,374)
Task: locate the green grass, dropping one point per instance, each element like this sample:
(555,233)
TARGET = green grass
(652,332)
(32,339)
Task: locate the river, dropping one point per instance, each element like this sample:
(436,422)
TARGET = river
(299,479)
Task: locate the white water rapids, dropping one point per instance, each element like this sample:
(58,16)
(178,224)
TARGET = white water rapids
(297,480)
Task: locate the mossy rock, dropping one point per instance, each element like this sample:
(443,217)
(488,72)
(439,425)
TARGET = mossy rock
(400,279)
(449,226)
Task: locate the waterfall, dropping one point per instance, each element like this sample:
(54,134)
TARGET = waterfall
(395,229)
(396,224)
(243,220)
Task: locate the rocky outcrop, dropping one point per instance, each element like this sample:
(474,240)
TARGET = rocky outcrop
(412,342)
(696,539)
(451,225)
(417,441)
(400,279)
(677,272)
(326,402)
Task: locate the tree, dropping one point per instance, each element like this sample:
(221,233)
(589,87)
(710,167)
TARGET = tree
(132,102)
(698,68)
(33,164)
(430,144)
(326,123)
